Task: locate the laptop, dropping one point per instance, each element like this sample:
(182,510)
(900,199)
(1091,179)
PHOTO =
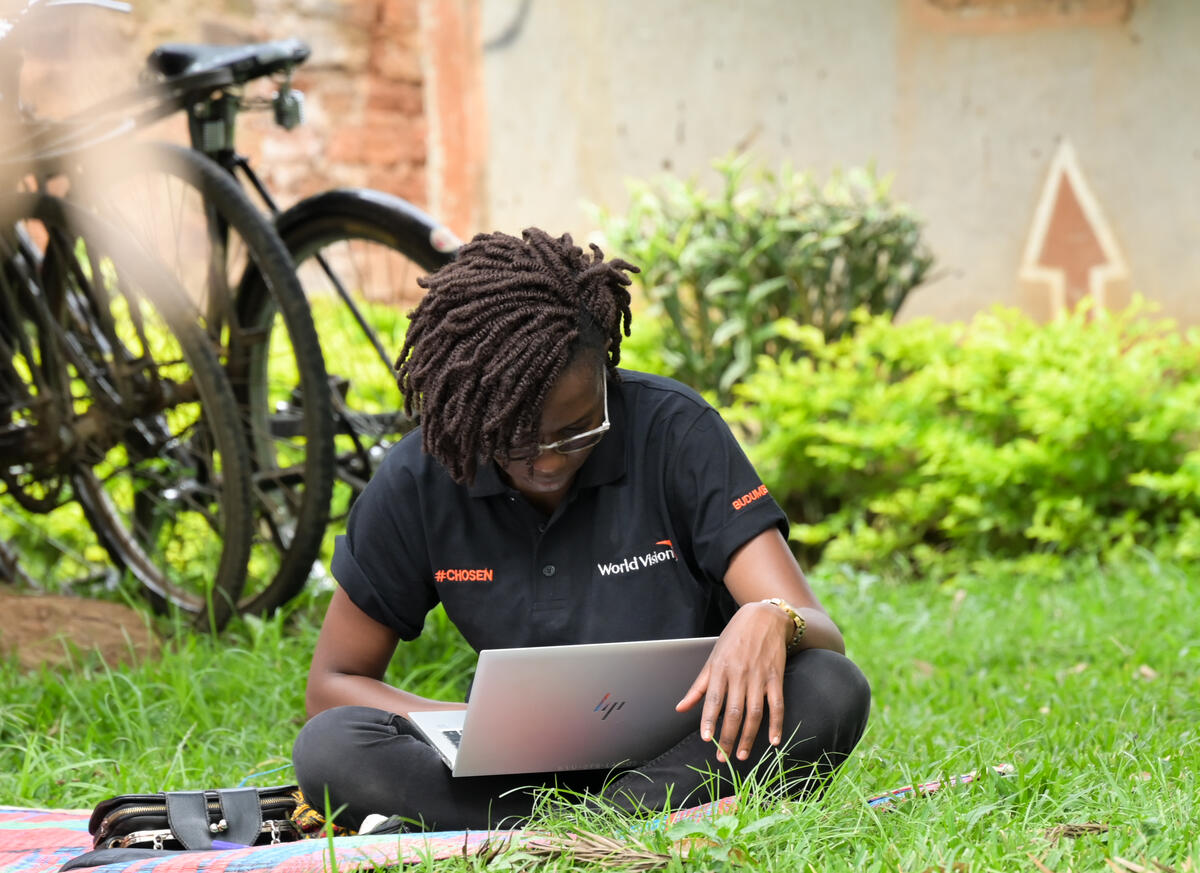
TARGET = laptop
(553,708)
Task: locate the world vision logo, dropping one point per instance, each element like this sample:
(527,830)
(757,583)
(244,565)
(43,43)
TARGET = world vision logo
(640,562)
(482,574)
(750,496)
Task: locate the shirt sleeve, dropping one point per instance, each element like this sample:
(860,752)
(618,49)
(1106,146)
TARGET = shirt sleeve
(717,496)
(381,561)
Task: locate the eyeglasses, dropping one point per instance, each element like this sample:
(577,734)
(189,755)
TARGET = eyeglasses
(570,445)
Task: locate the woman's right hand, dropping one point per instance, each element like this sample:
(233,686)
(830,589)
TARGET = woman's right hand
(349,662)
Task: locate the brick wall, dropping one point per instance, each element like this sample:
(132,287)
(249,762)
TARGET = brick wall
(369,87)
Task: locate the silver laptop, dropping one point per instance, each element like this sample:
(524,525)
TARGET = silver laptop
(554,708)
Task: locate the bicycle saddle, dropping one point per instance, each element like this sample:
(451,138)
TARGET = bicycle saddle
(243,62)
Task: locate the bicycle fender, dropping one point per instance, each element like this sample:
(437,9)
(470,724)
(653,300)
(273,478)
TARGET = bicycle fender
(430,243)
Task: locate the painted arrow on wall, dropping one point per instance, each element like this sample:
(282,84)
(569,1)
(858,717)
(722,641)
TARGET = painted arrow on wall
(1071,252)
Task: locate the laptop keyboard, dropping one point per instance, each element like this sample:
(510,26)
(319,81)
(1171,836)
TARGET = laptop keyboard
(454,737)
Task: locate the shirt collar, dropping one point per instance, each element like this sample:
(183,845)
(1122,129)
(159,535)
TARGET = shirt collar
(605,464)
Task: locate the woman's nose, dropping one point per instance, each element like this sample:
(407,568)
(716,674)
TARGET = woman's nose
(549,463)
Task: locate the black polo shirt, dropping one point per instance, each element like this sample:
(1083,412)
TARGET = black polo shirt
(636,550)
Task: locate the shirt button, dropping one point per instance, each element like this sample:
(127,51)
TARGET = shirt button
(541,528)
(548,570)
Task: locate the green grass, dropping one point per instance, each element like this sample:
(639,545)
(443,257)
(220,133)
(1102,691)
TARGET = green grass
(1088,687)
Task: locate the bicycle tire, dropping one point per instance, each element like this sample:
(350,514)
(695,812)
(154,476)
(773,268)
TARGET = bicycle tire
(164,433)
(293,473)
(406,238)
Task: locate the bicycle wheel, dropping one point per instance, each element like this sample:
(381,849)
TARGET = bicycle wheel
(358,254)
(156,452)
(193,215)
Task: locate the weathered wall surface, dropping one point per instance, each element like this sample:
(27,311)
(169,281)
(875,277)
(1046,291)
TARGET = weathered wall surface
(967,102)
(391,88)
(1050,146)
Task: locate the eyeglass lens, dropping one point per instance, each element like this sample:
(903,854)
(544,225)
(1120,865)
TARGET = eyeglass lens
(568,446)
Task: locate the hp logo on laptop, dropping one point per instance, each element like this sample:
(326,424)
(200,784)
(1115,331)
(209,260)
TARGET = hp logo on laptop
(607,706)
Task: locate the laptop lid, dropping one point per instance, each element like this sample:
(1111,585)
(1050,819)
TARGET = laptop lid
(584,707)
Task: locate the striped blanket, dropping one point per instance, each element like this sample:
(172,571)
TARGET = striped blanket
(42,840)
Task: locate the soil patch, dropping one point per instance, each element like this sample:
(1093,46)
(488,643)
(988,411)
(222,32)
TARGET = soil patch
(44,628)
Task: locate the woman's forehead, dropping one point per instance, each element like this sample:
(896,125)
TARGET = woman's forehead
(575,395)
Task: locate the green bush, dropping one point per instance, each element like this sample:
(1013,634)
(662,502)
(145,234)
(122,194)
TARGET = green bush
(925,443)
(724,269)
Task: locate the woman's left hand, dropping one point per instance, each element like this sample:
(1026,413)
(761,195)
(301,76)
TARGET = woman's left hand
(744,670)
(746,665)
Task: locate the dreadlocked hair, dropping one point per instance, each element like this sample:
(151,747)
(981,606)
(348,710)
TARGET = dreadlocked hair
(496,328)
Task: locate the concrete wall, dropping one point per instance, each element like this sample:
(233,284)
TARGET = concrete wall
(967,102)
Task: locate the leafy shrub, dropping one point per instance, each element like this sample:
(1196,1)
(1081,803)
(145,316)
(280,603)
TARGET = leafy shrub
(998,438)
(643,348)
(723,269)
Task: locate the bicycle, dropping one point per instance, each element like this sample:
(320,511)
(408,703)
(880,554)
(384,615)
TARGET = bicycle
(324,234)
(114,397)
(350,245)
(229,258)
(381,241)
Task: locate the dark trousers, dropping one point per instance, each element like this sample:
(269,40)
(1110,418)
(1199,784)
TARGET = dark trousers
(372,761)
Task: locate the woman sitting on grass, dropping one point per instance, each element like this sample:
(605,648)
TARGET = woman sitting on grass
(541,460)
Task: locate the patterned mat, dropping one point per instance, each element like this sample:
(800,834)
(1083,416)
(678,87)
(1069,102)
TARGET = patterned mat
(42,840)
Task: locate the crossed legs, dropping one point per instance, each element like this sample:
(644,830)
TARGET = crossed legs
(372,761)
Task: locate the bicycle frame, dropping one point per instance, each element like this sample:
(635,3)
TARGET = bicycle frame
(212,124)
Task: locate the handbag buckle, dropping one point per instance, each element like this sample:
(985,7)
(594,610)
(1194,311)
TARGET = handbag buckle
(138,839)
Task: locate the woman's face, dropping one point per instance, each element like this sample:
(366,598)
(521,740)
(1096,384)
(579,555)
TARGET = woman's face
(575,403)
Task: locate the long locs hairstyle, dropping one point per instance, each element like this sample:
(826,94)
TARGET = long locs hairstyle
(494,331)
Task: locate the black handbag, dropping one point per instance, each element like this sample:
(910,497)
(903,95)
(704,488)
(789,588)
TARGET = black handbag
(196,820)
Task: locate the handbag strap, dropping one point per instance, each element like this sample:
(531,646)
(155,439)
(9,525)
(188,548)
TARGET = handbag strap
(187,816)
(243,811)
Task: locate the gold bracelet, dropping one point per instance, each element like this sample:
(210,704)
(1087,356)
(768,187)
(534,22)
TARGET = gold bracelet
(797,619)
